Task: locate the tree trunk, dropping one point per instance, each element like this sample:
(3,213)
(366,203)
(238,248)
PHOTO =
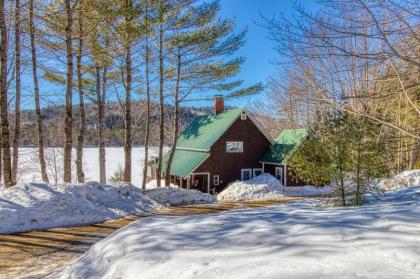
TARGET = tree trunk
(176,122)
(4,122)
(16,136)
(39,126)
(146,139)
(82,127)
(1,142)
(101,131)
(414,152)
(161,104)
(127,116)
(68,120)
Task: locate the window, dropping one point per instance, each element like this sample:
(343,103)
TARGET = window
(246,174)
(216,180)
(234,146)
(256,172)
(279,174)
(243,116)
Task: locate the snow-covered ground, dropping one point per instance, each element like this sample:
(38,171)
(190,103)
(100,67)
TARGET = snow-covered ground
(39,206)
(29,166)
(294,240)
(177,196)
(402,180)
(266,187)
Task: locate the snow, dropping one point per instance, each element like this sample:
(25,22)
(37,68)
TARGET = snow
(262,187)
(267,187)
(293,240)
(402,180)
(29,166)
(33,206)
(308,191)
(177,196)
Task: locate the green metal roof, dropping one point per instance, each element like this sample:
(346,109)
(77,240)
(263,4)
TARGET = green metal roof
(207,129)
(284,146)
(193,144)
(184,161)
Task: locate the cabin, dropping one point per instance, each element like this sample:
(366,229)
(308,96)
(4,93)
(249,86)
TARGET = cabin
(229,145)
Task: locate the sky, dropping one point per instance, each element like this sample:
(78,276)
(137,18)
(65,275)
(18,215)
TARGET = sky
(258,49)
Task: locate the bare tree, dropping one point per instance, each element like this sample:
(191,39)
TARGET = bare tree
(39,125)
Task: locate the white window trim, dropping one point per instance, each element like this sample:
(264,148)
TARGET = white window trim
(257,169)
(281,174)
(239,143)
(216,180)
(242,173)
(243,116)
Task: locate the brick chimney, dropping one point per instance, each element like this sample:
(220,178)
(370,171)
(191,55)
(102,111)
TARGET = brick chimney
(219,104)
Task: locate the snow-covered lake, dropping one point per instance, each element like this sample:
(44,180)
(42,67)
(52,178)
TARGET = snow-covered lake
(29,164)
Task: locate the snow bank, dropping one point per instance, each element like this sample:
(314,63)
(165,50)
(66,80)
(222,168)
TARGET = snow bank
(262,187)
(40,206)
(178,196)
(293,240)
(308,191)
(402,180)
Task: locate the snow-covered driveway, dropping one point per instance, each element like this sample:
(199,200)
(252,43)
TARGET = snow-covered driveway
(37,254)
(295,240)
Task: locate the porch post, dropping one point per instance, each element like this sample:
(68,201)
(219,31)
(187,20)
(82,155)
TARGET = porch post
(285,175)
(188,182)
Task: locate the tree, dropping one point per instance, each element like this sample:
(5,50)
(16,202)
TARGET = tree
(161,32)
(128,143)
(68,120)
(359,57)
(40,130)
(147,28)
(6,162)
(344,149)
(82,125)
(199,47)
(16,136)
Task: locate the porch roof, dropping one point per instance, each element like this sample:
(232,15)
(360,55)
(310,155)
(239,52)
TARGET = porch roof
(185,161)
(284,146)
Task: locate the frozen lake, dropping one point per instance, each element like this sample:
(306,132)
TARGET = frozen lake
(29,164)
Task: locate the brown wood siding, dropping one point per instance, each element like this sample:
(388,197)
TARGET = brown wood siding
(228,165)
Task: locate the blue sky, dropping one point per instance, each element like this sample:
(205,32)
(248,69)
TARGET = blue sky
(258,49)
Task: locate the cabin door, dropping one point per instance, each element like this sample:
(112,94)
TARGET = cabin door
(201,181)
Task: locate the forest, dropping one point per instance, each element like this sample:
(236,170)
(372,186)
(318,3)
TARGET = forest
(349,72)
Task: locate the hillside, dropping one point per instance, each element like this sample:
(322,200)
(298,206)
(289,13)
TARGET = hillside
(114,122)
